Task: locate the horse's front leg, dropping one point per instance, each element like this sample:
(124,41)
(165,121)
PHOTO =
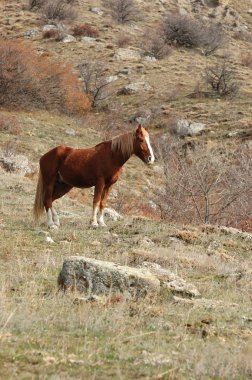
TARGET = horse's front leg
(99,188)
(103,203)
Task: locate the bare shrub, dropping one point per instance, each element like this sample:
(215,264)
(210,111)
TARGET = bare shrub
(123,11)
(155,45)
(35,3)
(95,81)
(222,79)
(182,30)
(212,37)
(53,33)
(10,125)
(206,185)
(85,30)
(246,59)
(123,41)
(28,79)
(58,10)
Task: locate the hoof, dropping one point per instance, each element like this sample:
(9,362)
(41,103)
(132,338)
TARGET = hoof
(102,224)
(94,225)
(53,227)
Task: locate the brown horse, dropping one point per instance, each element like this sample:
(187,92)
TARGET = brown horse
(63,168)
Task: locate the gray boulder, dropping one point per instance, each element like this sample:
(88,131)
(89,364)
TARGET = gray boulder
(185,128)
(91,276)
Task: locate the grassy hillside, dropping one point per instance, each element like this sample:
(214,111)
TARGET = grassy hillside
(47,335)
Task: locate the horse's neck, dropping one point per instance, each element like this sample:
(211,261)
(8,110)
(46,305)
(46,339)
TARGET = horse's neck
(119,158)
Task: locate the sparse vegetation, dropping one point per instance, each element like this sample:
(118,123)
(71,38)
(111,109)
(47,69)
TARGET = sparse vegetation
(123,11)
(221,79)
(85,30)
(58,10)
(213,185)
(45,334)
(27,79)
(155,45)
(95,81)
(185,31)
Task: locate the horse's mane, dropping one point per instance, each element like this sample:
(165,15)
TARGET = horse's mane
(124,143)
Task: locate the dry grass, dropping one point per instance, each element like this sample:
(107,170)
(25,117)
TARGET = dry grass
(44,334)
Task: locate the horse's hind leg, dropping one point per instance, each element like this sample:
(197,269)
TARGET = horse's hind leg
(103,203)
(99,188)
(60,189)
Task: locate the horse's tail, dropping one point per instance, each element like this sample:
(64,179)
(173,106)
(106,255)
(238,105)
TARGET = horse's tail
(38,206)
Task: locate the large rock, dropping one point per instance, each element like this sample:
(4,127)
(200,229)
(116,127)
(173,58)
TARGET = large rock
(15,163)
(95,277)
(185,128)
(91,276)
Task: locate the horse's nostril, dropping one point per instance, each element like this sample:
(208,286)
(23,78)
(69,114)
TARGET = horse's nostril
(149,159)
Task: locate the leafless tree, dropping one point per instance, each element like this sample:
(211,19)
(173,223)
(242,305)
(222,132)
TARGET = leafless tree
(206,185)
(154,44)
(58,10)
(123,11)
(222,79)
(95,81)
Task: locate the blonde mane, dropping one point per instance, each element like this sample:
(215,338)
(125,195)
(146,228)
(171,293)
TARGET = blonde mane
(124,143)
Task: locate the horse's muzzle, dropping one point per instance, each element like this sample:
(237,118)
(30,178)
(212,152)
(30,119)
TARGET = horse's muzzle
(150,160)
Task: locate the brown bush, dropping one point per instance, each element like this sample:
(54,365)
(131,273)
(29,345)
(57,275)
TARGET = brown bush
(53,33)
(246,59)
(10,125)
(155,45)
(184,31)
(85,30)
(28,79)
(123,41)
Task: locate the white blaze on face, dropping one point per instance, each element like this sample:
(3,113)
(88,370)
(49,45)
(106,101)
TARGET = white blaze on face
(152,157)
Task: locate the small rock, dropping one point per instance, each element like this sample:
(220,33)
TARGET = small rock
(88,39)
(134,88)
(68,38)
(112,214)
(96,10)
(31,33)
(70,132)
(49,240)
(127,54)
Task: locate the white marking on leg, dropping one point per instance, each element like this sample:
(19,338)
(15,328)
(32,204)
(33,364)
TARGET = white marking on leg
(101,220)
(152,157)
(50,222)
(55,217)
(94,217)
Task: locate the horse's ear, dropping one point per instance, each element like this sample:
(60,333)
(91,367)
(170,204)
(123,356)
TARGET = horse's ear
(147,130)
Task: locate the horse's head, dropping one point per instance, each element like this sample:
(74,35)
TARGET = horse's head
(142,146)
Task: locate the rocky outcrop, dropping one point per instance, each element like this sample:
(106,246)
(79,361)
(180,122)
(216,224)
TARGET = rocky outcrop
(95,277)
(91,276)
